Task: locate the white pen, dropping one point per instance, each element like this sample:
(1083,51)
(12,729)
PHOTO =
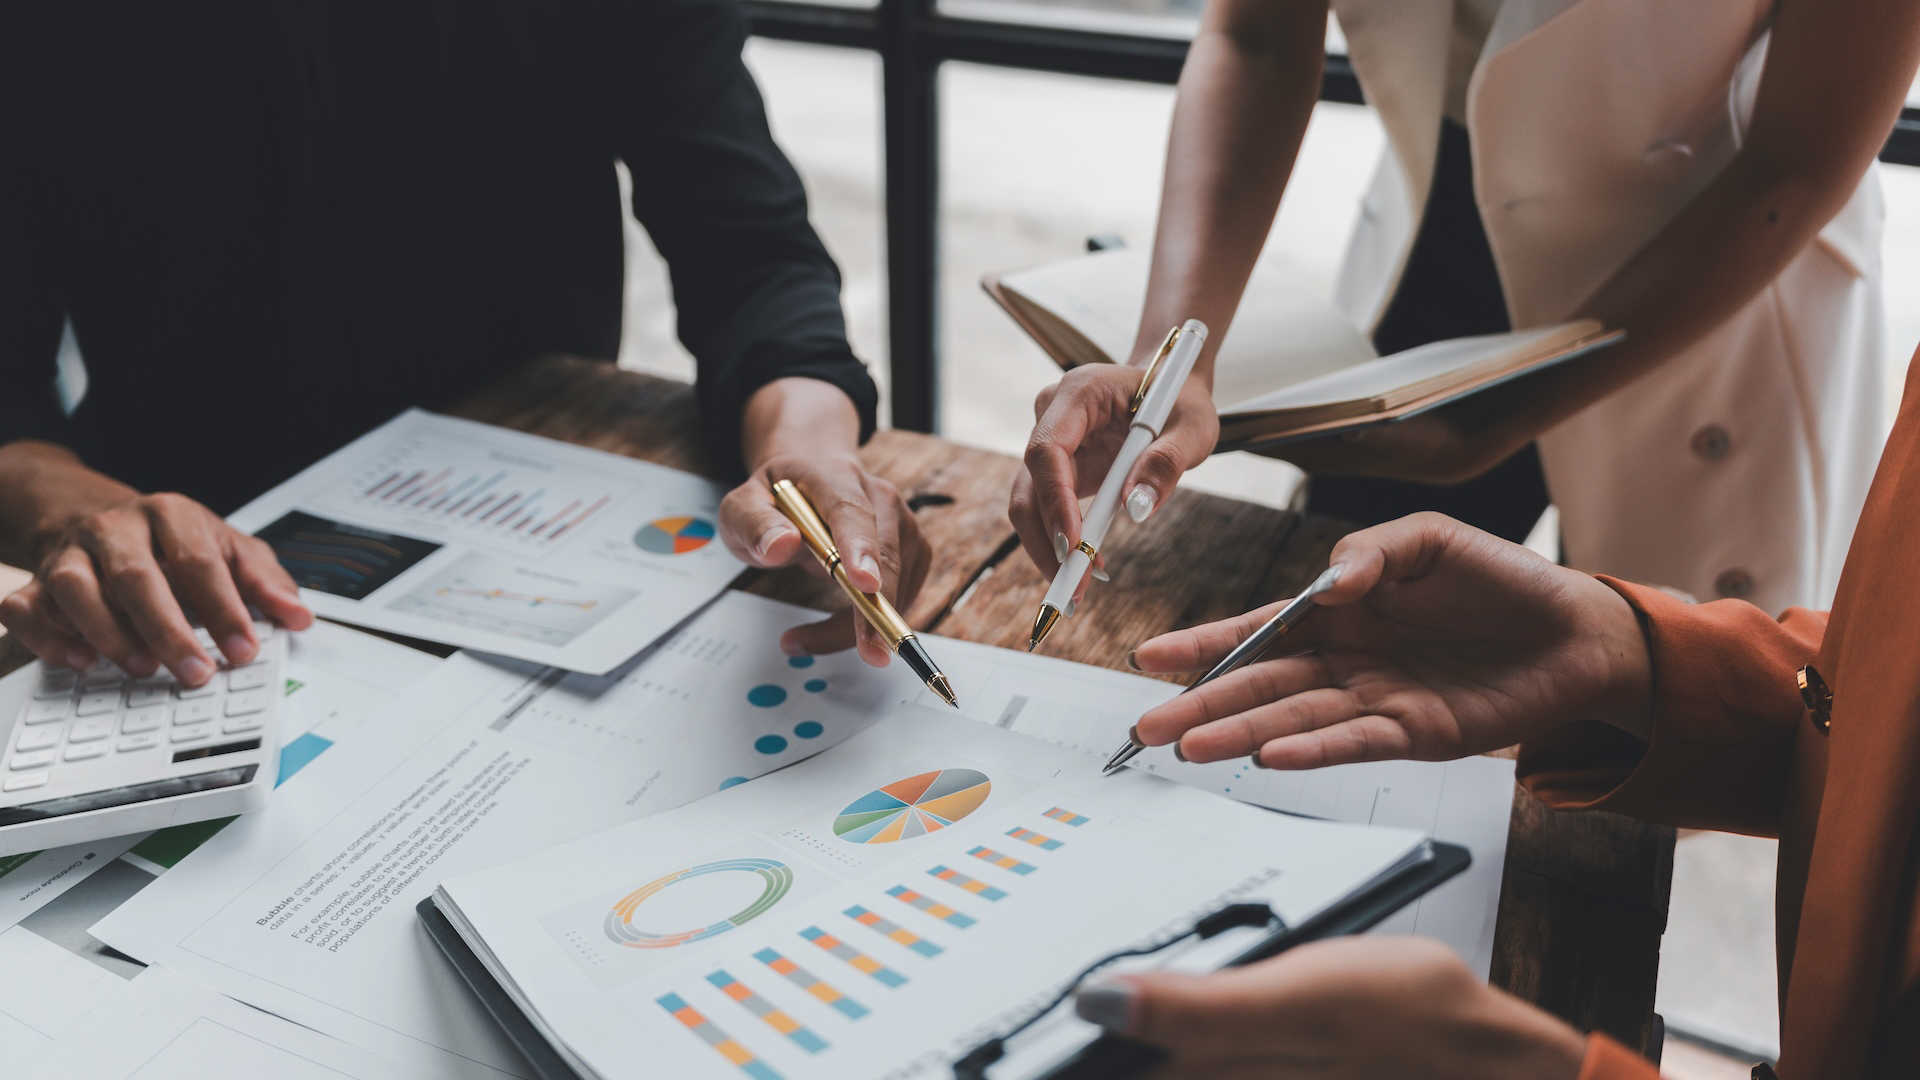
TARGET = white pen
(1152,404)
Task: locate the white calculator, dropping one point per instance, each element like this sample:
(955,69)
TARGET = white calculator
(100,753)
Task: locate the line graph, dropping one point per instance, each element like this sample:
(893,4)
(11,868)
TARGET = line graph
(485,593)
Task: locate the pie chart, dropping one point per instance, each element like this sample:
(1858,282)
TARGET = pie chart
(674,535)
(912,807)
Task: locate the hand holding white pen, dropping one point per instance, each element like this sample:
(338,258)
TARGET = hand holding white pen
(1160,387)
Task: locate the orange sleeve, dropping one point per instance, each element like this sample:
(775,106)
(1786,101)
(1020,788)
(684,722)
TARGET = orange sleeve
(1608,1060)
(1726,709)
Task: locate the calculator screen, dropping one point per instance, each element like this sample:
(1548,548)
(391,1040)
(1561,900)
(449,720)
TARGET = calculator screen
(122,796)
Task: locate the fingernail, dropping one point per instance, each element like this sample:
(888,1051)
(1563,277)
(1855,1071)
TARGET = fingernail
(1255,759)
(194,671)
(1178,754)
(1072,605)
(1132,661)
(791,646)
(141,664)
(1140,503)
(767,540)
(1060,547)
(79,660)
(1101,575)
(238,648)
(871,566)
(1108,1002)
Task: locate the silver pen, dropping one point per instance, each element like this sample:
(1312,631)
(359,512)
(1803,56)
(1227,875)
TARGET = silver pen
(1245,653)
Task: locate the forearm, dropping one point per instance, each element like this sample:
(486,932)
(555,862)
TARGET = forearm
(44,488)
(798,416)
(1246,94)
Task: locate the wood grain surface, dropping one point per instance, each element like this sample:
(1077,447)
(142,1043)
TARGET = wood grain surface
(1584,900)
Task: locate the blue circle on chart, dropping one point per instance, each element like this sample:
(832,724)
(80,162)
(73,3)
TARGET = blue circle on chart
(731,781)
(767,695)
(770,744)
(799,661)
(814,686)
(809,729)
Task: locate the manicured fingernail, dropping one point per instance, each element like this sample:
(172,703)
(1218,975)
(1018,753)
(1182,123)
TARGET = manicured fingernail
(1107,1002)
(1132,660)
(1101,575)
(1140,503)
(791,645)
(194,671)
(140,663)
(1177,753)
(79,660)
(1071,606)
(871,566)
(768,539)
(238,648)
(1060,547)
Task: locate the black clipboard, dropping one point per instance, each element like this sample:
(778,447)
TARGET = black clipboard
(1110,1057)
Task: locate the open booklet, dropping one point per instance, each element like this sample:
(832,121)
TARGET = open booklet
(1292,365)
(884,907)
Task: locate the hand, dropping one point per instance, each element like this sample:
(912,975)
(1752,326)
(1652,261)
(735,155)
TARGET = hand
(117,572)
(1438,641)
(1356,1008)
(806,431)
(1080,423)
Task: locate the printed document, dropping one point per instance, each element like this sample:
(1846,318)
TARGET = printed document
(497,540)
(162,1027)
(882,908)
(306,909)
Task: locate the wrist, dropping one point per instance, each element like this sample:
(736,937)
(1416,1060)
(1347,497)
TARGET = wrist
(1625,656)
(1525,1042)
(800,416)
(45,489)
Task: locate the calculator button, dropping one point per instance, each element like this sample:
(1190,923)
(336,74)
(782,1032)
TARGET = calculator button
(205,689)
(188,734)
(249,677)
(56,683)
(192,712)
(139,697)
(247,701)
(243,723)
(263,632)
(102,674)
(138,742)
(86,750)
(98,702)
(206,640)
(90,730)
(38,738)
(41,712)
(145,720)
(21,783)
(31,761)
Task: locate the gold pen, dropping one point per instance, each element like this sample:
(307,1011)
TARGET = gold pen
(872,606)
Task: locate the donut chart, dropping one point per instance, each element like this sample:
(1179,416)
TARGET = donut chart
(775,877)
(912,807)
(674,535)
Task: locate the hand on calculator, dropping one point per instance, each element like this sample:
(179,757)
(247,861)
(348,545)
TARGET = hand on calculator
(115,573)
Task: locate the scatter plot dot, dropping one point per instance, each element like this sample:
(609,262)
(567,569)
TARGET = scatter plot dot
(799,661)
(770,744)
(731,781)
(767,695)
(814,686)
(811,729)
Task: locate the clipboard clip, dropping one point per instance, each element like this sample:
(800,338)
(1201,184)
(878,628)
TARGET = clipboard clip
(1153,368)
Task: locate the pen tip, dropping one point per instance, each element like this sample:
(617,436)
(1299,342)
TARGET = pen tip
(1043,624)
(941,686)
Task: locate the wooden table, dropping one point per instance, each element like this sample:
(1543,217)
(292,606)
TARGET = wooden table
(1584,899)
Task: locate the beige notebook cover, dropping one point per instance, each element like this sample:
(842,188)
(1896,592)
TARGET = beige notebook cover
(1292,364)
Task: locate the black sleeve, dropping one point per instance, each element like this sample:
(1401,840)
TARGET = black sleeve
(757,295)
(30,311)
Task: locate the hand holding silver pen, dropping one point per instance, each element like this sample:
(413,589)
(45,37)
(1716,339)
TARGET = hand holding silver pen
(1255,646)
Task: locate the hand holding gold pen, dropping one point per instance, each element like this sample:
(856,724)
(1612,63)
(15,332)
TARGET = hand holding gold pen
(1255,646)
(872,606)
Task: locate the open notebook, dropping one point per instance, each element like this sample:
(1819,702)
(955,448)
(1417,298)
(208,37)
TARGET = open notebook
(1292,365)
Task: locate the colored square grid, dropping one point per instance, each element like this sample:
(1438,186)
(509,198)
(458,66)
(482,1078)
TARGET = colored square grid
(931,906)
(1028,836)
(1004,862)
(1068,816)
(973,885)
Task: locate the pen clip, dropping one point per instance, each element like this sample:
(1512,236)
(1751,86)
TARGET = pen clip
(1153,368)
